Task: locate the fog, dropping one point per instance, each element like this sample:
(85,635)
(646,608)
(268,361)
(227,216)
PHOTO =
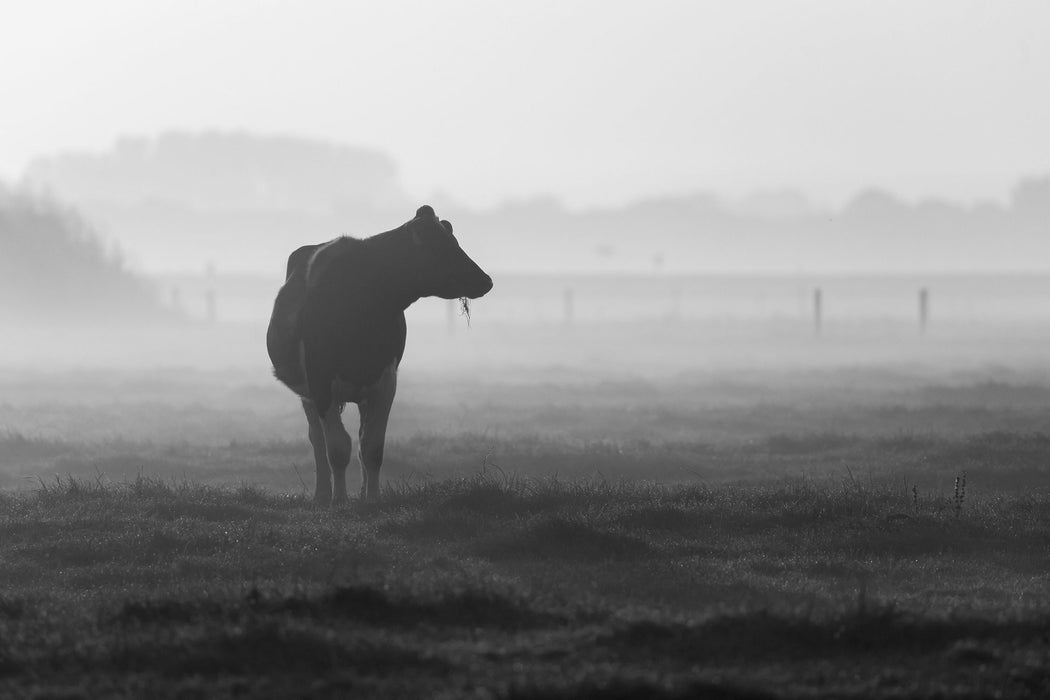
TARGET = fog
(655,190)
(595,103)
(825,138)
(680,191)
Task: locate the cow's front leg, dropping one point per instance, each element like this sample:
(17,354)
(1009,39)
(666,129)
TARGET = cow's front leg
(375,412)
(339,446)
(323,479)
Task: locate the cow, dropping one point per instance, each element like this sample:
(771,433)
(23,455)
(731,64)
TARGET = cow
(337,333)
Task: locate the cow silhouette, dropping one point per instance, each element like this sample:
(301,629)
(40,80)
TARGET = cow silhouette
(337,333)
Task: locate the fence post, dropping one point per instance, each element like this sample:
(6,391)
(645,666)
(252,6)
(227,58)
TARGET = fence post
(209,294)
(924,309)
(818,310)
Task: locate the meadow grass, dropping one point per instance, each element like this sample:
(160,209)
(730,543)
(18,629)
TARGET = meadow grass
(863,533)
(994,461)
(513,586)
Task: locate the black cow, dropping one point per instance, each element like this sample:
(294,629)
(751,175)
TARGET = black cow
(337,333)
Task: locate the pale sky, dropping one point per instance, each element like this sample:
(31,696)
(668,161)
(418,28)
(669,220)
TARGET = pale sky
(595,102)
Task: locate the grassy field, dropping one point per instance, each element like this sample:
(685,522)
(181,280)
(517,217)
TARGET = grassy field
(851,533)
(523,588)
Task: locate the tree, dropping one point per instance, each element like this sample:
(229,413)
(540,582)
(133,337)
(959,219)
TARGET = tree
(54,267)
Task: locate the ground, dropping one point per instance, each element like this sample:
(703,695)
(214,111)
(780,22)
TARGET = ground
(856,533)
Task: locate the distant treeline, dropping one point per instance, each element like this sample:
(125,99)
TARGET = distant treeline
(54,267)
(240,201)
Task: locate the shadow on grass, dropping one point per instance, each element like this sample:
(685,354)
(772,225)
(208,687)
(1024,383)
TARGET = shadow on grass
(631,689)
(560,538)
(667,518)
(465,608)
(762,634)
(364,604)
(265,647)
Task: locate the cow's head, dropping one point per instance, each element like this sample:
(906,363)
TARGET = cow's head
(445,270)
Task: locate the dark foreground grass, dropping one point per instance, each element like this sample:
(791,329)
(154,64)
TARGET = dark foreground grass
(500,587)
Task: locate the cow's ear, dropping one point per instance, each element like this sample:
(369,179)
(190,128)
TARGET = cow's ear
(447,225)
(427,211)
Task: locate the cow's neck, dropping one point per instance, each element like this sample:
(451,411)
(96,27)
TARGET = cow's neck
(390,255)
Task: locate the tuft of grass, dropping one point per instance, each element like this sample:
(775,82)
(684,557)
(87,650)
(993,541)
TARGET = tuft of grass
(960,493)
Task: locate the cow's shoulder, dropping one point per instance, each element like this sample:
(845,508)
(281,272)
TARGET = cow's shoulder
(299,260)
(340,275)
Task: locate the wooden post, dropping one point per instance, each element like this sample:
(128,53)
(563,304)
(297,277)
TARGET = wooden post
(924,309)
(209,294)
(818,310)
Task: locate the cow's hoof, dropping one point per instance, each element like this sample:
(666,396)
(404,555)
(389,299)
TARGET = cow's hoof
(340,501)
(322,500)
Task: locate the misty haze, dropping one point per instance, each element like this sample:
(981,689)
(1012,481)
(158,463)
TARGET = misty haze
(525,350)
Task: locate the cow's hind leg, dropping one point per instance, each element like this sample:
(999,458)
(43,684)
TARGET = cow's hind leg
(339,447)
(375,412)
(323,481)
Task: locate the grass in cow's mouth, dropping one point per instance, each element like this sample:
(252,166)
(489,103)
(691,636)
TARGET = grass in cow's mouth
(464,308)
